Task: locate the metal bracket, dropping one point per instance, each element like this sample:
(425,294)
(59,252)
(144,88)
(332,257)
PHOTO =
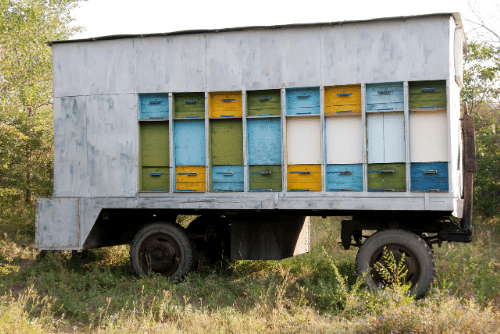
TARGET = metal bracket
(348,228)
(452,232)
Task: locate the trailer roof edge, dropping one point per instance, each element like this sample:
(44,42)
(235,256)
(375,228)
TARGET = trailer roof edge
(455,15)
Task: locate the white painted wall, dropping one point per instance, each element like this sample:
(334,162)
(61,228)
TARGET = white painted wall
(93,68)
(379,51)
(70,147)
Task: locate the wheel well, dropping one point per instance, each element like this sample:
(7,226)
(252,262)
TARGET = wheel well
(118,226)
(433,229)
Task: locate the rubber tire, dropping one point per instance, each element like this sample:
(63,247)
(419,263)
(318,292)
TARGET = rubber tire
(186,258)
(423,253)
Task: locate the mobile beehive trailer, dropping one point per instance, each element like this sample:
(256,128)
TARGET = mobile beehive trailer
(254,129)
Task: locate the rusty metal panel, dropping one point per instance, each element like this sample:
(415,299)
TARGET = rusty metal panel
(469,139)
(57,223)
(104,67)
(70,147)
(112,135)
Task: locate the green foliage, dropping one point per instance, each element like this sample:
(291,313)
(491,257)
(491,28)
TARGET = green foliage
(482,94)
(392,272)
(481,72)
(26,127)
(487,179)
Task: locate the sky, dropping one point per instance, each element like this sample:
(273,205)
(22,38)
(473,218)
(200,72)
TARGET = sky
(114,17)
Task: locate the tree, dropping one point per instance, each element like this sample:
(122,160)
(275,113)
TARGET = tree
(481,27)
(482,94)
(482,70)
(26,127)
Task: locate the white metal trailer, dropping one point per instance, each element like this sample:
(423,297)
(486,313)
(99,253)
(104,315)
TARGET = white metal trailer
(100,85)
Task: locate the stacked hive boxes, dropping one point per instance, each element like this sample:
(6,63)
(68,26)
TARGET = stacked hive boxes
(324,129)
(154,142)
(264,140)
(226,141)
(386,137)
(189,141)
(344,138)
(303,139)
(428,150)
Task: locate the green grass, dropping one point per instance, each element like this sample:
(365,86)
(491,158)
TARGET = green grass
(315,292)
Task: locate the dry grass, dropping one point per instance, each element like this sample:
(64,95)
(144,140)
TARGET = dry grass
(315,293)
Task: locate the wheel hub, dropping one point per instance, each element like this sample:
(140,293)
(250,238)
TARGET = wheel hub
(160,254)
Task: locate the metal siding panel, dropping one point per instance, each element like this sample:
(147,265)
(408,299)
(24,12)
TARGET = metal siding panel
(454,141)
(57,223)
(170,64)
(189,141)
(428,136)
(99,67)
(70,147)
(385,51)
(394,137)
(344,140)
(303,140)
(264,141)
(67,61)
(112,136)
(292,57)
(375,138)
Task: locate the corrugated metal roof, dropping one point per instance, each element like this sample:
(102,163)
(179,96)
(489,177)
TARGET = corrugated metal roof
(456,16)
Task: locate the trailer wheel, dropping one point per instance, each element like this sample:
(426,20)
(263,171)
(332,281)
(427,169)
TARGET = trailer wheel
(162,248)
(419,259)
